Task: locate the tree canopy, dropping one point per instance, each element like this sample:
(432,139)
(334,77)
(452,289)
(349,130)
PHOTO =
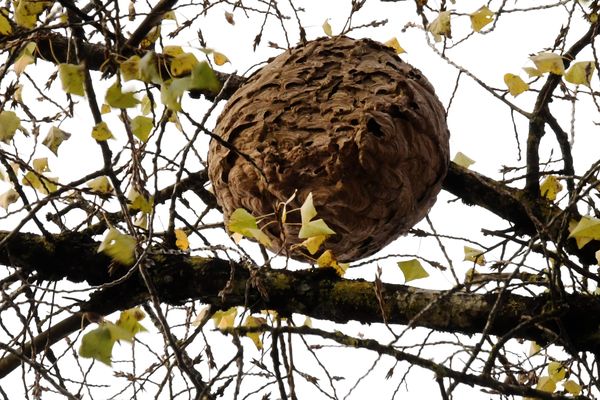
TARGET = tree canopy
(120,278)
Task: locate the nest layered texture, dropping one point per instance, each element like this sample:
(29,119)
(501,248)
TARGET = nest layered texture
(346,120)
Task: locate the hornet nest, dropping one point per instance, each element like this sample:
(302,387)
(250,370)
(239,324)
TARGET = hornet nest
(346,120)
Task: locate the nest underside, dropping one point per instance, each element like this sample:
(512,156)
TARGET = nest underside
(346,120)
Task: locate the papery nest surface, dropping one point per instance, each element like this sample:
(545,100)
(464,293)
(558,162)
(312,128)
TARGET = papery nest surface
(345,119)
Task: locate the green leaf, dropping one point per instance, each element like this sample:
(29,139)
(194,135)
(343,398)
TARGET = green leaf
(240,221)
(101,132)
(9,123)
(148,66)
(315,228)
(54,139)
(171,92)
(98,344)
(28,11)
(71,77)
(203,77)
(141,127)
(119,246)
(116,98)
(412,269)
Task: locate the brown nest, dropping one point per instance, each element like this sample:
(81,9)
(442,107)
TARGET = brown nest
(346,120)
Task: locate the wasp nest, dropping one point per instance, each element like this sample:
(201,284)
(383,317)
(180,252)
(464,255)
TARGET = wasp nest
(346,120)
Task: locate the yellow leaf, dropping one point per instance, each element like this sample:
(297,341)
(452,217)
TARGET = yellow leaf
(25,58)
(534,348)
(550,187)
(586,230)
(172,51)
(474,255)
(118,246)
(556,371)
(307,322)
(71,78)
(183,64)
(327,28)
(546,384)
(40,165)
(140,202)
(440,26)
(307,210)
(313,243)
(100,184)
(549,62)
(101,132)
(532,72)
(225,319)
(255,336)
(9,123)
(581,73)
(462,160)
(412,269)
(116,98)
(597,255)
(170,15)
(28,11)
(481,18)
(105,109)
(315,228)
(130,68)
(327,259)
(394,44)
(41,183)
(572,387)
(141,127)
(147,105)
(515,84)
(54,138)
(141,221)
(220,58)
(9,197)
(181,241)
(151,37)
(5,27)
(260,236)
(129,321)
